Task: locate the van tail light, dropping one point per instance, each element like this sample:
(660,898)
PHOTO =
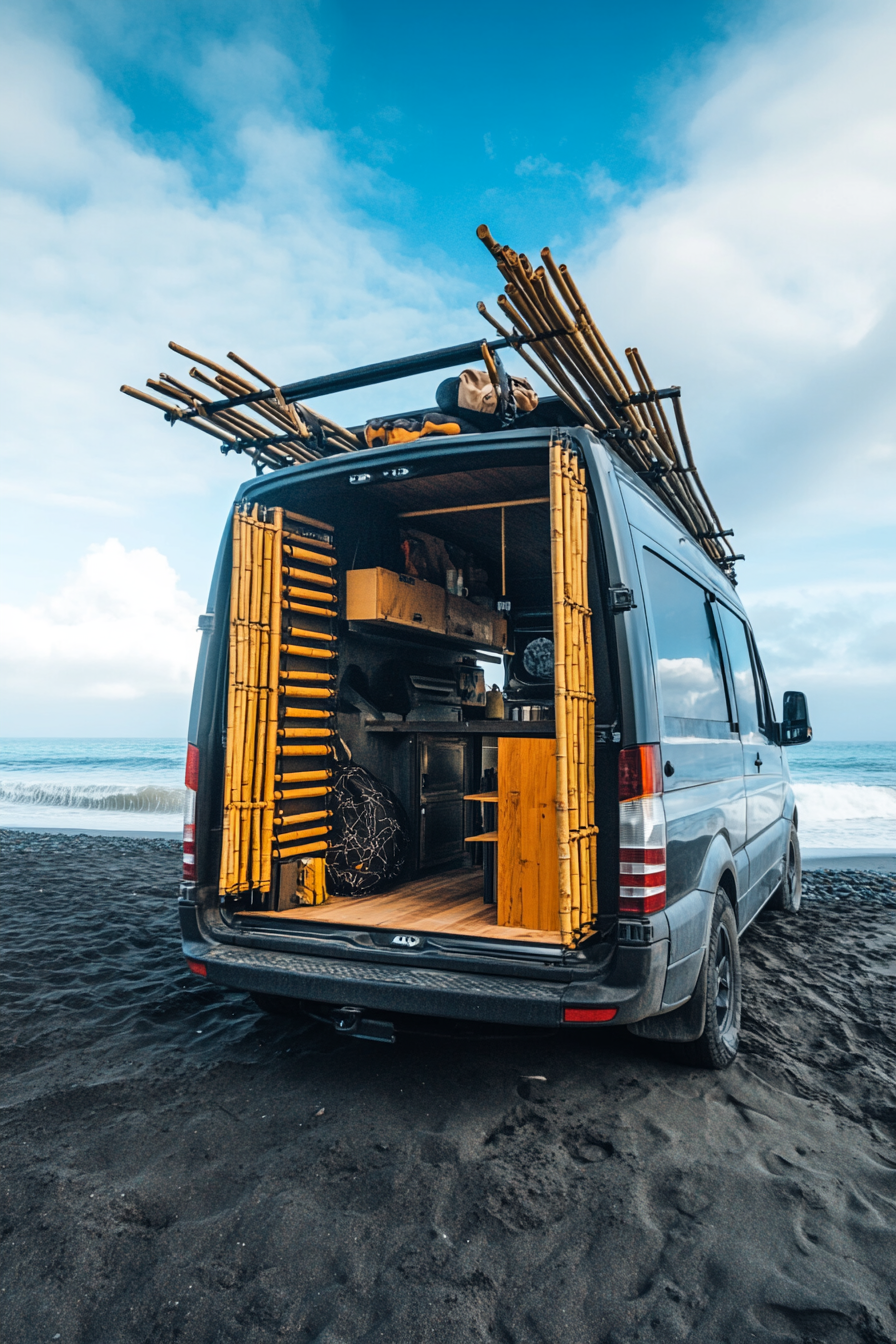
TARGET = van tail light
(191,783)
(642,832)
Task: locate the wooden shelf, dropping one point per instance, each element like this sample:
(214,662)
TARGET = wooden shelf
(481,797)
(487,838)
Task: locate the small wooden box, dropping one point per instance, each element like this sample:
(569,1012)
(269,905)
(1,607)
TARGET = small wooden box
(467,620)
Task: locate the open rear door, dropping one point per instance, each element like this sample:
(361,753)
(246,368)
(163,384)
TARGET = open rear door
(573,692)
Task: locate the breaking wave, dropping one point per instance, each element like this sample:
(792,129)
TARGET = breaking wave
(844,802)
(93,797)
(846,815)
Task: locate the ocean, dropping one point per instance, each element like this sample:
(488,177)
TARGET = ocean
(846,791)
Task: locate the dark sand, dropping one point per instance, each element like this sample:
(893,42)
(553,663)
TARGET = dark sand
(179,1167)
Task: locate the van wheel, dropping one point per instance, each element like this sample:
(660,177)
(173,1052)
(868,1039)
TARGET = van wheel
(790,893)
(278,1005)
(719,1043)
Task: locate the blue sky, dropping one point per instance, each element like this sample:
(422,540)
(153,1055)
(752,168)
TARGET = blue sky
(302,183)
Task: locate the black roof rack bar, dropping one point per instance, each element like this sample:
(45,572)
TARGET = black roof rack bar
(390,369)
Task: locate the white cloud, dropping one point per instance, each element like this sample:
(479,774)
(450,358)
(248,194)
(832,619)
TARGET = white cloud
(110,250)
(763,279)
(119,629)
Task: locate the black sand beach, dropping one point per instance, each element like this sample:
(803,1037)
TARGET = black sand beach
(177,1166)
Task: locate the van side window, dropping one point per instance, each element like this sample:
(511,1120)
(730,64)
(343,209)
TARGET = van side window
(689,663)
(749,702)
(767,709)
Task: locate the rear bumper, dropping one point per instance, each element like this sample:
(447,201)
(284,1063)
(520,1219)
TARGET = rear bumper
(633,985)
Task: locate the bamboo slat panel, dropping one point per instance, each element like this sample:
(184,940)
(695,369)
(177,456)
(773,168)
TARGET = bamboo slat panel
(257,705)
(574,694)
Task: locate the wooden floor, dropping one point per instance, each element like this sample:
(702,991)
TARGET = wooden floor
(447,903)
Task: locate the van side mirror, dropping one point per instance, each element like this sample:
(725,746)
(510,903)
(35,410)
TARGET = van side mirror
(795,725)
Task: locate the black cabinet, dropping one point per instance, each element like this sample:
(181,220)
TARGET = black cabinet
(442,778)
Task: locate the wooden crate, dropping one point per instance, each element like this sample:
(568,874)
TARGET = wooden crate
(381,595)
(528,881)
(397,599)
(466,620)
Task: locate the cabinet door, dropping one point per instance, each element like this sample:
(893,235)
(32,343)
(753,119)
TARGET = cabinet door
(443,770)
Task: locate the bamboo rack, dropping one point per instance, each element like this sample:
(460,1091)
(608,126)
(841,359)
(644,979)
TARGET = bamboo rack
(551,327)
(574,694)
(264,823)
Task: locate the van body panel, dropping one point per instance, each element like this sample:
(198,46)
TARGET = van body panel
(689,923)
(695,818)
(638,699)
(649,515)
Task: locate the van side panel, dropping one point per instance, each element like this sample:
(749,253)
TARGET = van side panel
(639,708)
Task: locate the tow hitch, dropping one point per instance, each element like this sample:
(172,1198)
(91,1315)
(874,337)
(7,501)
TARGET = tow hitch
(352,1022)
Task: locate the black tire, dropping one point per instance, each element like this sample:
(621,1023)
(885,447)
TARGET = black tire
(720,1041)
(278,1005)
(790,893)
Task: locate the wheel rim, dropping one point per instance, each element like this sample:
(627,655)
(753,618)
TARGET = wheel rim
(791,871)
(724,981)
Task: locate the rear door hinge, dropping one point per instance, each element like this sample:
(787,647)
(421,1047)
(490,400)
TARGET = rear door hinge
(621,598)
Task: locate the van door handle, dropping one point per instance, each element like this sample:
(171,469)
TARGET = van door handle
(758,762)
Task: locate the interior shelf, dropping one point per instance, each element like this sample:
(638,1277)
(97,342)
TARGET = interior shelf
(472,727)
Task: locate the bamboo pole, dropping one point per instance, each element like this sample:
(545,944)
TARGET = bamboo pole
(303,775)
(301,651)
(302,793)
(300,553)
(563,854)
(305,731)
(273,680)
(303,818)
(314,848)
(302,750)
(304,833)
(327,612)
(308,576)
(226,829)
(309,522)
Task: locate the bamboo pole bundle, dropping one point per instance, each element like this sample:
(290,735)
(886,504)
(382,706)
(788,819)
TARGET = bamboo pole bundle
(273,432)
(566,348)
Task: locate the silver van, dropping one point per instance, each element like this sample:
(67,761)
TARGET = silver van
(405,860)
